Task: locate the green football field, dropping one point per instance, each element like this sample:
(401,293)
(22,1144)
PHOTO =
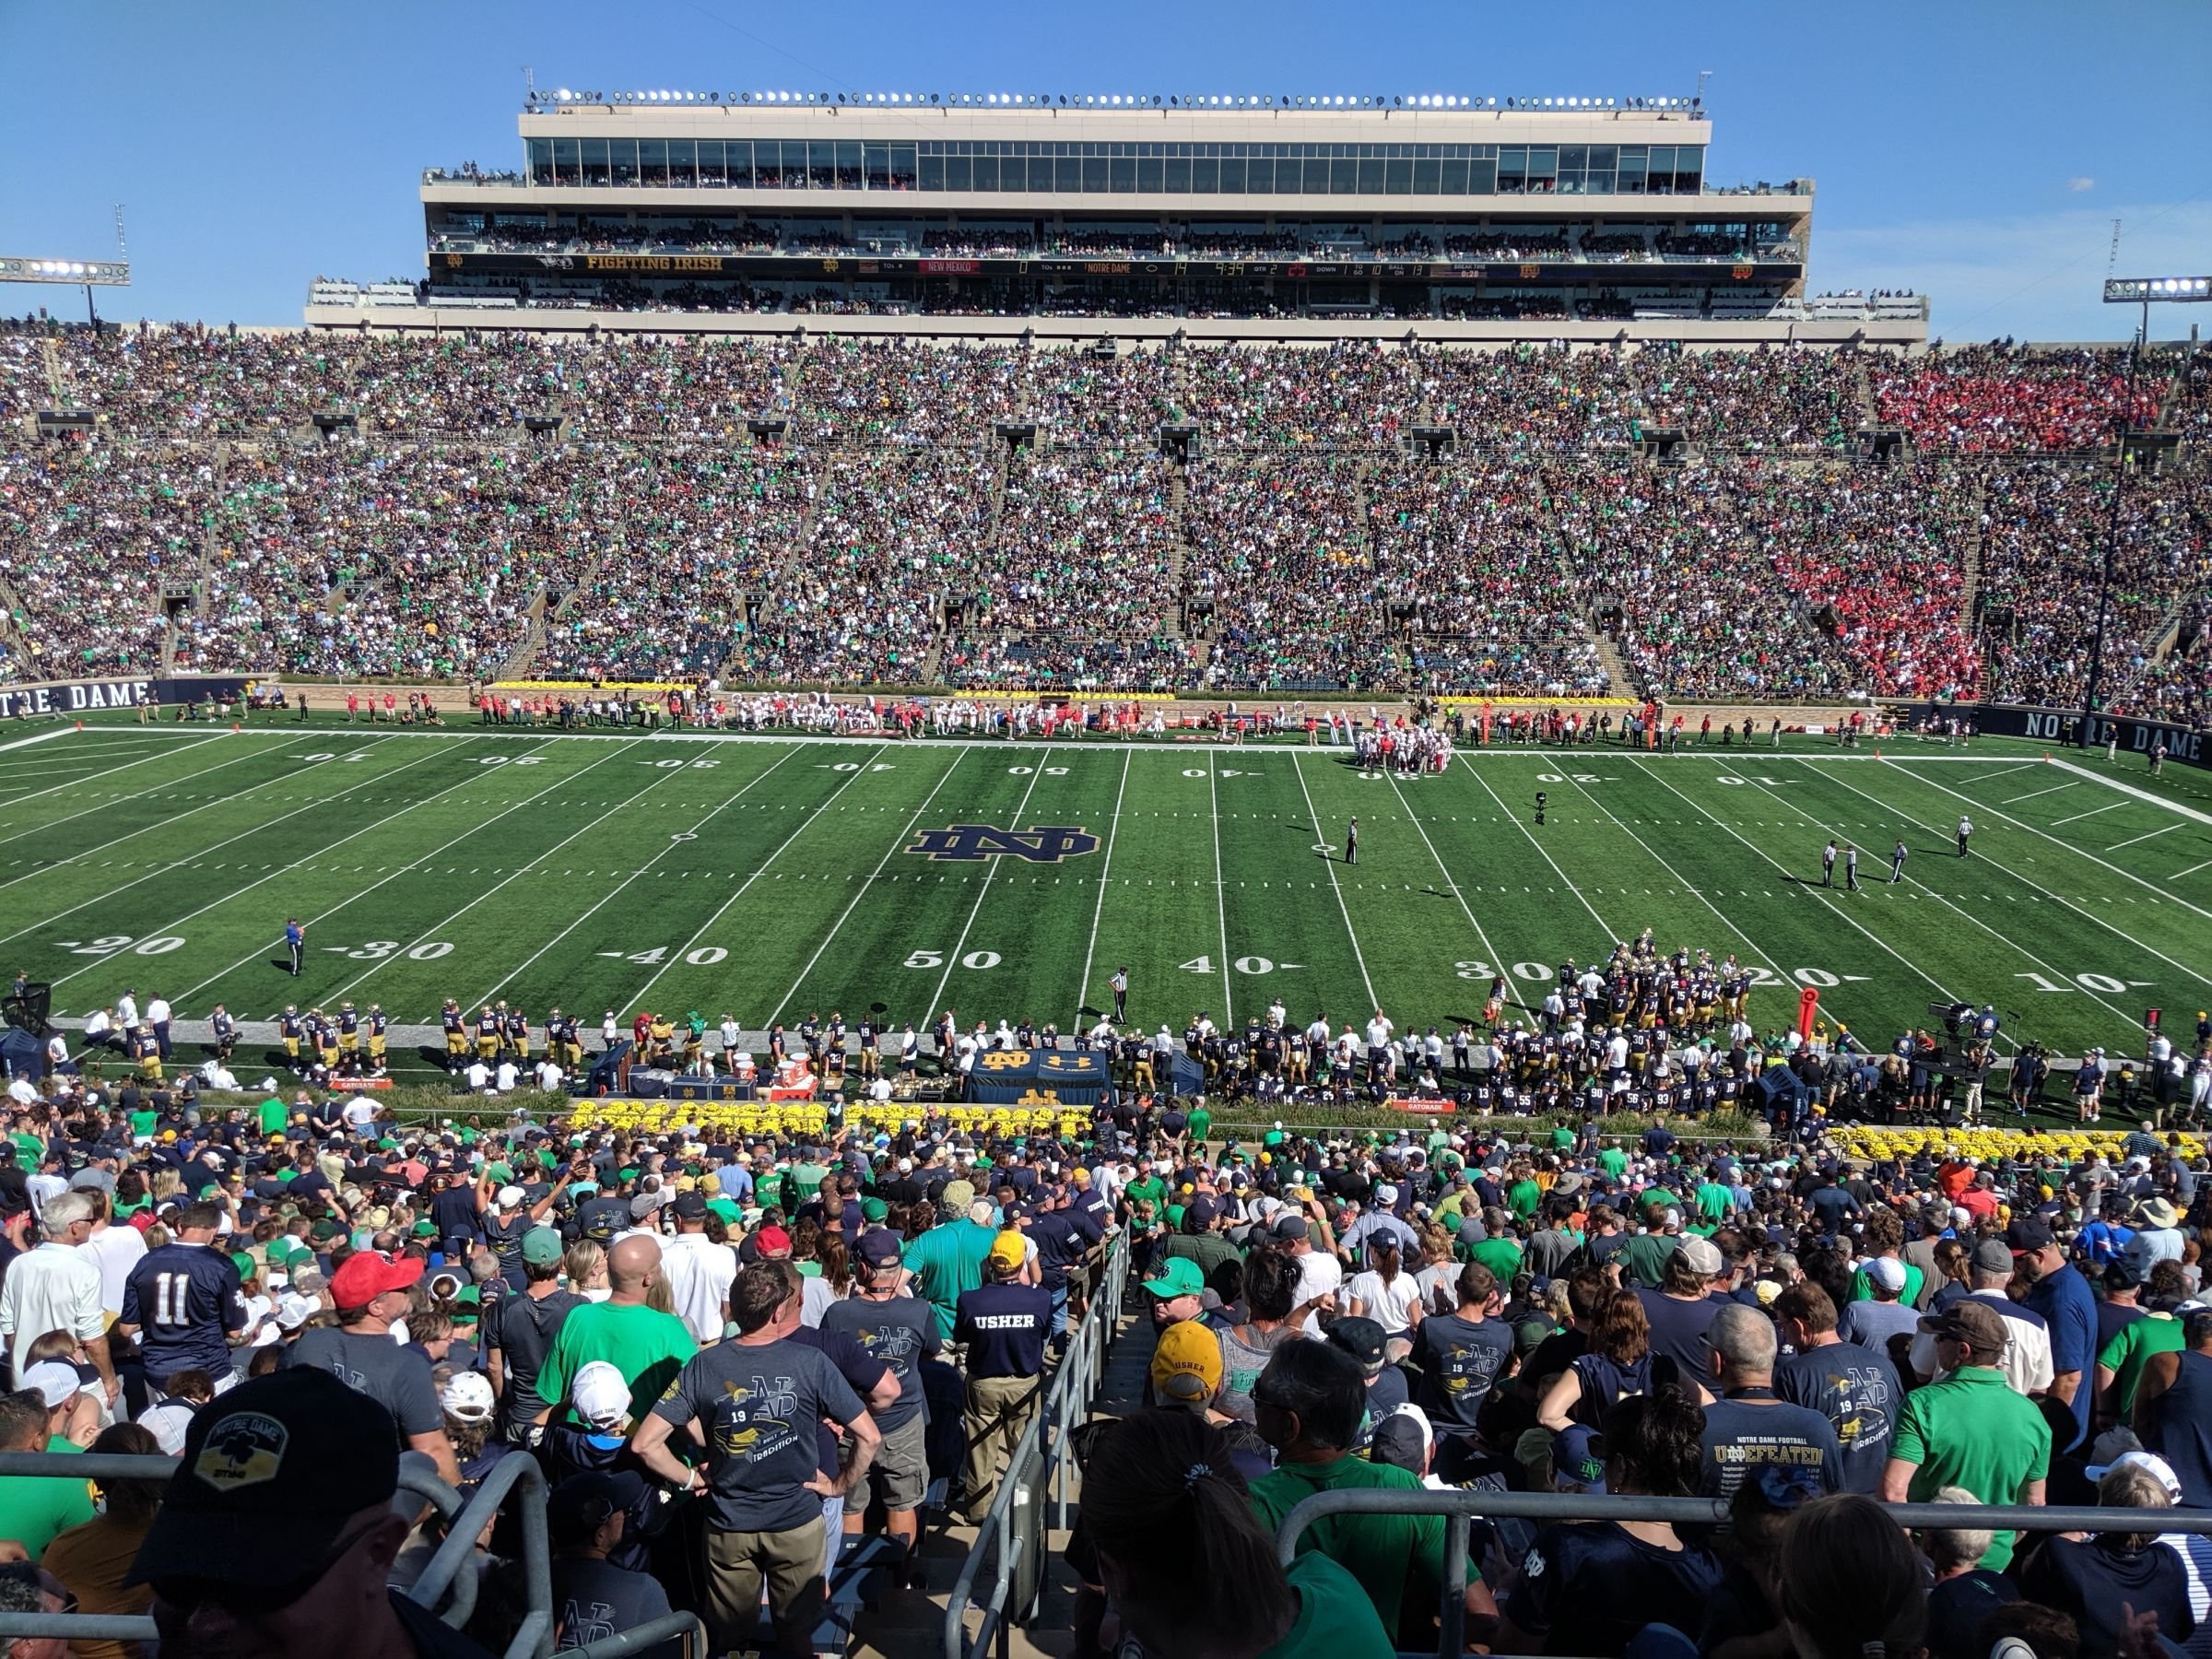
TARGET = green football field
(768,878)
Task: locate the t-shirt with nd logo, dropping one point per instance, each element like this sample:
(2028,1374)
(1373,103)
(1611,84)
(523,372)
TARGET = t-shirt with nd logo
(759,1405)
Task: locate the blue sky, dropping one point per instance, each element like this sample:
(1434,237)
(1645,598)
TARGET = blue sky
(1975,151)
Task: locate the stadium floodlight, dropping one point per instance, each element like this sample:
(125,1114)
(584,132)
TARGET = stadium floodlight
(106,273)
(2143,290)
(86,273)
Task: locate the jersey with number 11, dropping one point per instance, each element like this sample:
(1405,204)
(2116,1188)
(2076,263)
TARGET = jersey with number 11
(185,1299)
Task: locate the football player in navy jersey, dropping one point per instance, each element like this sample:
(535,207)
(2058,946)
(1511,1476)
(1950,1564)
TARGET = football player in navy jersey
(184,1301)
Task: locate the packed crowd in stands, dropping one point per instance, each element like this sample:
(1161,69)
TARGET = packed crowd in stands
(2005,397)
(89,538)
(1700,613)
(892,536)
(639,530)
(2047,524)
(1467,546)
(704,528)
(1281,575)
(1798,1329)
(1882,546)
(1346,394)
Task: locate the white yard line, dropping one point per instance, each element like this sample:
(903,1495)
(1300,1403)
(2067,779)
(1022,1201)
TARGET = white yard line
(201,853)
(287,869)
(1482,938)
(38,737)
(1604,751)
(539,861)
(2131,790)
(875,876)
(2121,934)
(2191,870)
(2032,794)
(674,842)
(1320,835)
(1510,817)
(1229,995)
(2151,835)
(805,819)
(1105,875)
(2093,812)
(412,864)
(119,800)
(1726,920)
(952,957)
(2083,851)
(1853,922)
(73,760)
(123,766)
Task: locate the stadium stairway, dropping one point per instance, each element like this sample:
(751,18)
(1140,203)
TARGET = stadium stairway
(518,662)
(1618,682)
(895,1623)
(57,378)
(1864,388)
(12,643)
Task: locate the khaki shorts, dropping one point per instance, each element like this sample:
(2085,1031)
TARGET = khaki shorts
(899,1475)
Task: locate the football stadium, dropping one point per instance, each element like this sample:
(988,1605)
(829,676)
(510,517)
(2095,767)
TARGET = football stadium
(1168,874)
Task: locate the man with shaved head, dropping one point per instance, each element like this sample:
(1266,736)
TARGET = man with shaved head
(646,1346)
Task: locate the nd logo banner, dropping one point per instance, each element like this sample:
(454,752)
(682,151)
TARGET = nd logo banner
(1038,844)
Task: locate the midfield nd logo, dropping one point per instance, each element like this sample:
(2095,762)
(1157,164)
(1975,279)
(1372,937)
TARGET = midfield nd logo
(1039,844)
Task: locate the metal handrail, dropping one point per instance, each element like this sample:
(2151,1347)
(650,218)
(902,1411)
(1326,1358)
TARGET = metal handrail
(465,1523)
(511,1474)
(637,1638)
(1463,1506)
(1043,1450)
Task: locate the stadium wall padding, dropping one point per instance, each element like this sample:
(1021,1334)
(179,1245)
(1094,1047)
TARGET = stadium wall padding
(78,697)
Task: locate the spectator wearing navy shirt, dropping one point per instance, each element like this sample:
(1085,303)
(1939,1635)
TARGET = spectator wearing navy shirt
(183,1301)
(2069,1306)
(1588,1588)
(1748,1425)
(1004,1325)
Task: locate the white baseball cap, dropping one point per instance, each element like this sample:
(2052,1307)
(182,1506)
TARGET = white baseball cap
(467,1397)
(55,1381)
(600,1396)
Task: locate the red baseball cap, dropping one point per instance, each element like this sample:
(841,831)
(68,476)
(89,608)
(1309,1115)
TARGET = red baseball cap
(773,1238)
(367,1274)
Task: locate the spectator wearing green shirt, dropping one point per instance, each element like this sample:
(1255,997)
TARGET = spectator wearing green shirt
(273,1115)
(1644,1257)
(1202,1238)
(949,1257)
(34,1513)
(1498,1249)
(1201,1124)
(803,1179)
(1524,1197)
(1613,1161)
(1969,1429)
(646,1346)
(1147,1189)
(1309,1403)
(2122,1360)
(1713,1199)
(1885,1236)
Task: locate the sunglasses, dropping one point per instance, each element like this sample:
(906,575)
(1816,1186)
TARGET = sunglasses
(243,1602)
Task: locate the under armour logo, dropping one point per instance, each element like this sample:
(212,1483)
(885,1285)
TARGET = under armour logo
(1038,844)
